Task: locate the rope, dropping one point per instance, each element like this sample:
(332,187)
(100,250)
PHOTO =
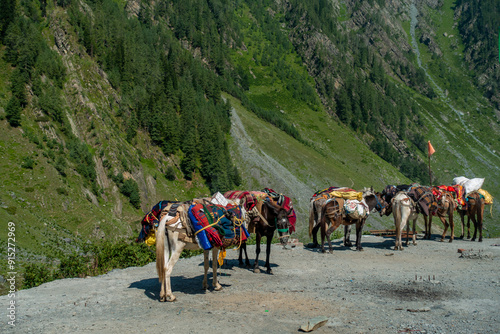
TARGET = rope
(210,225)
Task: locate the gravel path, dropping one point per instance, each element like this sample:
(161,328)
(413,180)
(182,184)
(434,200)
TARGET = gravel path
(428,288)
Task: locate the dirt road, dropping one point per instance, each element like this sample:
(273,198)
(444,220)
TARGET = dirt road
(428,288)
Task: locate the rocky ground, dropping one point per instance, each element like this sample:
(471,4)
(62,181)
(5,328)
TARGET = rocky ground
(428,288)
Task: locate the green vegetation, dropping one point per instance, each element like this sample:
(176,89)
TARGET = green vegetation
(96,259)
(104,112)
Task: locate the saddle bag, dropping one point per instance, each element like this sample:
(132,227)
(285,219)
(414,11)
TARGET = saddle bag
(355,209)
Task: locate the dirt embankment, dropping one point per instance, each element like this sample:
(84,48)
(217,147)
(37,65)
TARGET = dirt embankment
(428,288)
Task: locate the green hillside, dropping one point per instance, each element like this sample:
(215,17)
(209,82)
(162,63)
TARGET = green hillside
(107,107)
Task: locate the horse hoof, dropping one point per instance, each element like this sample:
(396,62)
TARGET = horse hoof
(269,272)
(163,299)
(451,240)
(256,270)
(330,251)
(171,299)
(472,239)
(441,240)
(480,240)
(218,287)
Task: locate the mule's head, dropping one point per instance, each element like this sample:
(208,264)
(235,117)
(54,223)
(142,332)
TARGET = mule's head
(375,201)
(282,222)
(283,226)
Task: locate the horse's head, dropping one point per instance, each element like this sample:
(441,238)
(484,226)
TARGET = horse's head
(280,216)
(375,201)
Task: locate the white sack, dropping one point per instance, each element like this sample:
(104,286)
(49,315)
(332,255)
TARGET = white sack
(473,185)
(460,180)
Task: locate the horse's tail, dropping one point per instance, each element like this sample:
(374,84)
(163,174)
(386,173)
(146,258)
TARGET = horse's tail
(160,250)
(312,209)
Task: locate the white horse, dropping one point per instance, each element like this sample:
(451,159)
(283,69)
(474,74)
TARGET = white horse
(403,209)
(169,248)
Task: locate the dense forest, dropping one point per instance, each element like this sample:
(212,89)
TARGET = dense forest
(480,27)
(176,98)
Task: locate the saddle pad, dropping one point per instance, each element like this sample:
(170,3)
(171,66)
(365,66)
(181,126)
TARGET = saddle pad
(248,199)
(213,227)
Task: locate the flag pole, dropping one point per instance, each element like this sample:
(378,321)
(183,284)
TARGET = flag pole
(430,151)
(430,177)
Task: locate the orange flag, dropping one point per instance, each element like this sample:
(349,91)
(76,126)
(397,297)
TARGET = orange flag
(431,149)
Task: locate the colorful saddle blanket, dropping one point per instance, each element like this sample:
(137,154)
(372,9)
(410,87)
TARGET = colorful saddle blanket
(286,203)
(217,226)
(426,200)
(153,217)
(248,200)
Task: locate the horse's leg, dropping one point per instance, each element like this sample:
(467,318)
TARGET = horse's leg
(215,283)
(480,215)
(396,214)
(206,265)
(323,225)
(177,247)
(315,235)
(461,213)
(469,214)
(445,223)
(257,251)
(328,233)
(452,223)
(240,256)
(428,226)
(359,233)
(243,248)
(474,216)
(163,290)
(425,226)
(269,239)
(407,231)
(347,236)
(414,236)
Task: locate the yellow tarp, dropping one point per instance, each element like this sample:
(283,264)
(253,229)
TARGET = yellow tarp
(347,195)
(151,238)
(488,199)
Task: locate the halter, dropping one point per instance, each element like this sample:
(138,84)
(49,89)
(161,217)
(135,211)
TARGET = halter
(379,206)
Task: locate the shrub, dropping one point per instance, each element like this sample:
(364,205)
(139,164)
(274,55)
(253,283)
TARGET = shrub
(130,189)
(170,173)
(27,163)
(36,274)
(74,266)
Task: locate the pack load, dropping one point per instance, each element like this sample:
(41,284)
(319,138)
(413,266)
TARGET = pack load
(473,185)
(355,209)
(470,185)
(488,199)
(217,225)
(348,194)
(423,196)
(460,180)
(151,220)
(245,198)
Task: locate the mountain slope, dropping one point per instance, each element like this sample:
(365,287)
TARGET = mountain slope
(320,94)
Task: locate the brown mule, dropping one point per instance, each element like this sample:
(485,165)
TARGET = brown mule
(474,211)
